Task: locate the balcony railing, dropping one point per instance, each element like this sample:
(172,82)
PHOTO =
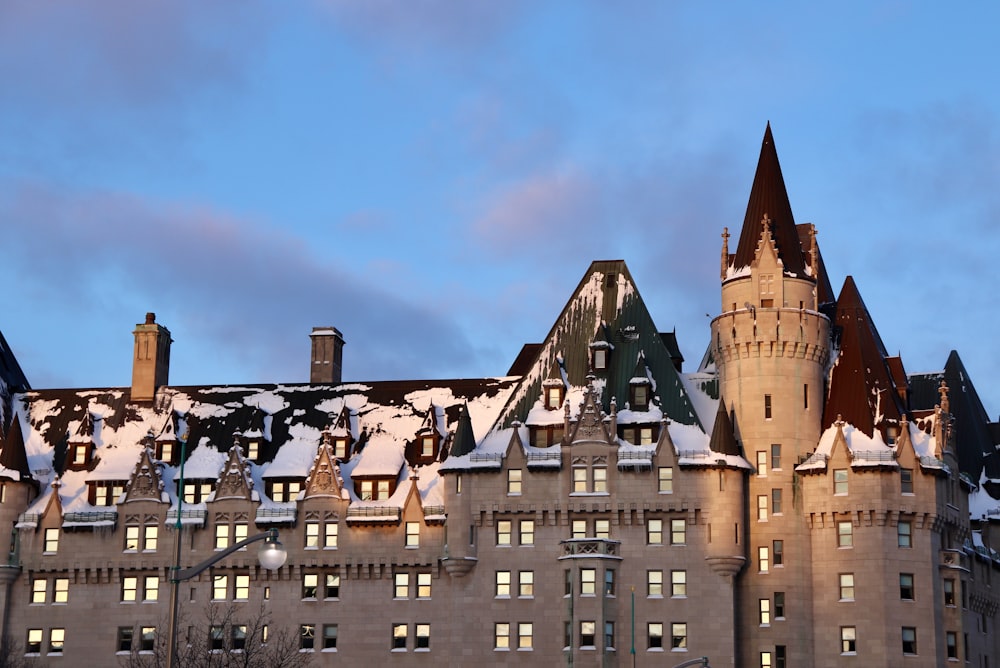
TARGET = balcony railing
(579,548)
(275,515)
(91,517)
(370,513)
(188,516)
(486,457)
(876,456)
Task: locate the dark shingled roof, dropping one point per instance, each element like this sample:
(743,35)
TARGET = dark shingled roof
(768,196)
(465,440)
(861,384)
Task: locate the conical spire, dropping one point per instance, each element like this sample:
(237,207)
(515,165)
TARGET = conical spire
(768,197)
(465,439)
(723,438)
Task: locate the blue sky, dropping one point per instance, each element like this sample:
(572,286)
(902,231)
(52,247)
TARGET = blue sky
(433,178)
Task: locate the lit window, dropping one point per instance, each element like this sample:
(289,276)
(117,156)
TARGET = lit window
(340,448)
(678,584)
(423,585)
(654,583)
(221,536)
(423,636)
(764,611)
(779,605)
(904,534)
(553,397)
(909,640)
(525,635)
(527,532)
(640,397)
(776,501)
(367,487)
(514,481)
(332,588)
(765,660)
(238,637)
(600,359)
(149,539)
(503,532)
(240,533)
(253,450)
(51,545)
(588,581)
(779,552)
(80,452)
(382,490)
(840,481)
(600,479)
(665,480)
(525,584)
(130,588)
(588,633)
(330,536)
(503,583)
(775,457)
(131,538)
(125,634)
(329,636)
(906,586)
(762,508)
(241,588)
(501,636)
(427,446)
(307,636)
(579,529)
(197,491)
(847,586)
(906,481)
(761,463)
(602,529)
(654,532)
(147,638)
(310,584)
(60,592)
(166,451)
(763,559)
(579,479)
(220,587)
(151,588)
(678,532)
(312,535)
(678,636)
(401,585)
(654,635)
(412,534)
(949,592)
(107,493)
(845,534)
(39,587)
(399,633)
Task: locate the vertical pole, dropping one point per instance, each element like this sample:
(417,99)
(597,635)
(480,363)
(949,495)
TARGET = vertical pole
(632,651)
(175,584)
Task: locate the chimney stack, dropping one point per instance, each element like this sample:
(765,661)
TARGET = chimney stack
(327,355)
(151,359)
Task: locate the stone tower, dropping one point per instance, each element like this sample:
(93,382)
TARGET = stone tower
(151,358)
(771,345)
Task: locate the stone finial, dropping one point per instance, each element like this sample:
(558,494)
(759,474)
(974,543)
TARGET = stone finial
(943,391)
(725,253)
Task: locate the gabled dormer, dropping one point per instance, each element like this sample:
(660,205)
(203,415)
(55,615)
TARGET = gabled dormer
(342,438)
(554,386)
(600,350)
(324,475)
(640,386)
(80,454)
(251,440)
(234,480)
(426,445)
(590,423)
(166,446)
(146,483)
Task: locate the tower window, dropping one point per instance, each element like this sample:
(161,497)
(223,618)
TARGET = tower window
(767,406)
(553,397)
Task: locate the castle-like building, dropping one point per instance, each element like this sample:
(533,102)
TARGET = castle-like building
(798,500)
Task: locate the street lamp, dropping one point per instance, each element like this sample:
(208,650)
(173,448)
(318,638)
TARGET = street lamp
(272,556)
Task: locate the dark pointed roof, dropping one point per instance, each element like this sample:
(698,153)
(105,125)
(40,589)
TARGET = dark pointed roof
(465,440)
(768,196)
(723,438)
(861,384)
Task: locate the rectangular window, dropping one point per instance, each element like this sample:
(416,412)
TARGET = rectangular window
(401,585)
(779,605)
(951,644)
(848,640)
(602,529)
(847,586)
(412,534)
(60,590)
(764,611)
(579,529)
(51,545)
(526,584)
(307,636)
(609,635)
(762,463)
(567,582)
(779,552)
(253,450)
(588,581)
(678,532)
(678,584)
(904,533)
(132,538)
(906,481)
(150,537)
(654,583)
(130,588)
(367,490)
(238,637)
(805,396)
(216,634)
(151,588)
(241,587)
(501,636)
(588,633)
(34,642)
(609,582)
(527,532)
(332,586)
(125,634)
(909,640)
(514,482)
(39,587)
(762,508)
(220,587)
(221,536)
(579,479)
(312,535)
(502,584)
(423,636)
(949,592)
(678,636)
(147,638)
(775,457)
(330,536)
(503,532)
(765,660)
(776,501)
(525,635)
(600,474)
(423,585)
(330,637)
(427,446)
(665,480)
(906,586)
(840,481)
(767,406)
(382,490)
(780,656)
(310,585)
(654,532)
(654,635)
(763,559)
(845,534)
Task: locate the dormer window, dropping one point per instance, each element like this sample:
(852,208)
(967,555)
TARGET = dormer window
(253,450)
(640,434)
(340,447)
(640,397)
(79,456)
(165,451)
(553,395)
(427,446)
(197,491)
(282,491)
(106,492)
(600,359)
(891,432)
(374,490)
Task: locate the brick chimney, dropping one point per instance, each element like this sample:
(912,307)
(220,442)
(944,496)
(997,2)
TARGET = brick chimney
(151,359)
(327,355)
